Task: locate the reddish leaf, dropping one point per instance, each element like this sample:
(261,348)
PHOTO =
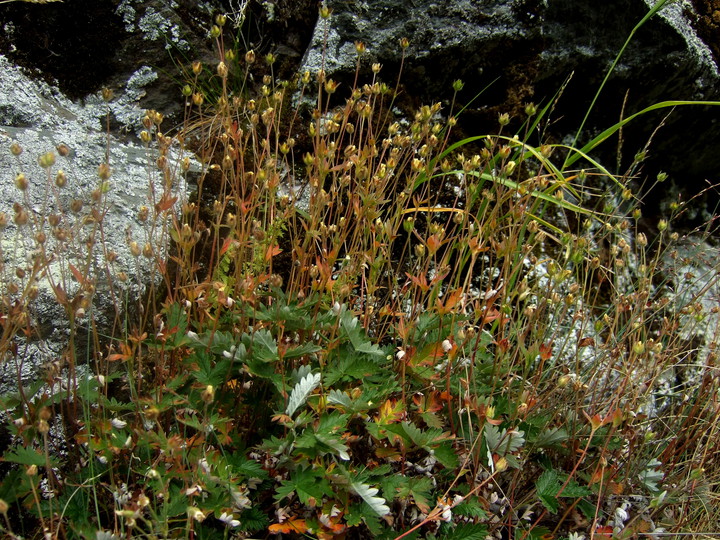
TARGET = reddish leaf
(290,526)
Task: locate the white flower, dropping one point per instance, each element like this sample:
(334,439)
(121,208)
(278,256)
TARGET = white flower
(117,423)
(204,465)
(195,513)
(447,345)
(229,520)
(576,536)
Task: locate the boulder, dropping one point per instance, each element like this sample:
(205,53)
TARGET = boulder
(54,61)
(526,50)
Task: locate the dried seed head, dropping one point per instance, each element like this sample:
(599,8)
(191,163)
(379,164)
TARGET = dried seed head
(107,94)
(21,182)
(104,171)
(61,179)
(47,160)
(250,56)
(15,149)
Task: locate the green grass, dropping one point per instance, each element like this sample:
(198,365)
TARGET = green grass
(367,327)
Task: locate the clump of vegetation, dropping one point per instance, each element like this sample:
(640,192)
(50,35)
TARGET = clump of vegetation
(367,328)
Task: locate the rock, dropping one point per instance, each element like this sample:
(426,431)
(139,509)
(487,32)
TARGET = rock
(531,47)
(55,59)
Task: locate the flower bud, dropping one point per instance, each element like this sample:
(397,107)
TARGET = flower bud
(222,69)
(220,20)
(250,56)
(215,31)
(15,149)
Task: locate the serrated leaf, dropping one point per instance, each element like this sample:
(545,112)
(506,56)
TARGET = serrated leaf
(467,531)
(551,437)
(26,456)
(547,487)
(300,393)
(446,455)
(355,334)
(368,494)
(264,346)
(340,448)
(575,490)
(505,441)
(302,350)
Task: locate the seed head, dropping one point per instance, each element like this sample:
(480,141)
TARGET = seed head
(21,182)
(250,56)
(104,171)
(404,43)
(47,160)
(15,149)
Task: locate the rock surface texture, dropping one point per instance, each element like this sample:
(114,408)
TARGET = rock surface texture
(527,49)
(54,60)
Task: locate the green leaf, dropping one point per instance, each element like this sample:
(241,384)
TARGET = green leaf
(307,484)
(27,456)
(551,437)
(547,487)
(301,392)
(351,330)
(575,490)
(505,441)
(302,350)
(264,346)
(446,455)
(369,495)
(467,531)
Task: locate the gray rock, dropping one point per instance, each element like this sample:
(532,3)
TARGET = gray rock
(50,96)
(135,182)
(531,47)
